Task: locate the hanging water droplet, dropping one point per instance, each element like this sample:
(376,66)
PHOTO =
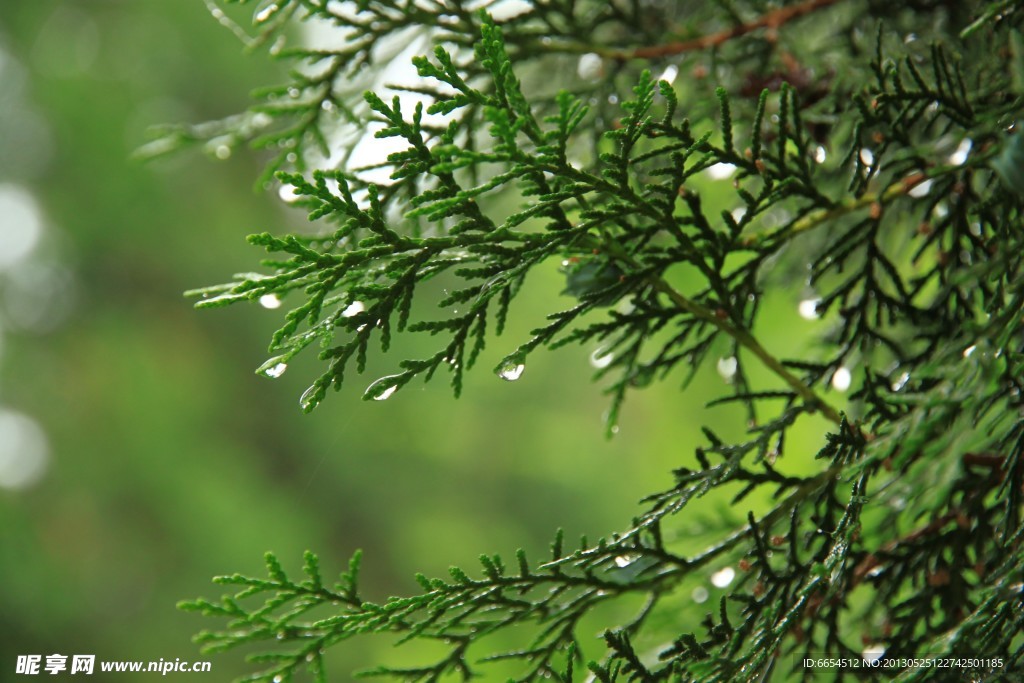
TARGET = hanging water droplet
(383,388)
(623,561)
(727,368)
(266,13)
(958,157)
(969,350)
(867,157)
(820,154)
(293,92)
(720,171)
(873,652)
(808,309)
(310,398)
(511,371)
(901,382)
(590,67)
(921,189)
(738,213)
(270,301)
(723,577)
(222,151)
(669,74)
(386,394)
(289,193)
(841,379)
(699,594)
(352,309)
(327,105)
(276,370)
(601,359)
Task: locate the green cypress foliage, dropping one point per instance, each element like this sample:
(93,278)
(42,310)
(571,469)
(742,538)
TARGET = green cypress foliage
(875,158)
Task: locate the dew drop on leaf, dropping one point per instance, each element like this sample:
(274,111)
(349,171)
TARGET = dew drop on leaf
(266,13)
(382,389)
(723,577)
(310,398)
(511,371)
(727,368)
(808,309)
(623,561)
(276,371)
(842,379)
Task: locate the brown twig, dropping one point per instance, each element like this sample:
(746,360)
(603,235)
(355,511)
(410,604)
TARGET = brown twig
(771,20)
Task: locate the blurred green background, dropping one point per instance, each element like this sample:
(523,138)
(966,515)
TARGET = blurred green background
(139,453)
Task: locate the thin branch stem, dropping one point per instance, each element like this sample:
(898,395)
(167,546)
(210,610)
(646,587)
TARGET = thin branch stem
(771,20)
(741,335)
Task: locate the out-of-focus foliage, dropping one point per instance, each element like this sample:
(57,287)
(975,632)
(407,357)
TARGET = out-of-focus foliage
(168,460)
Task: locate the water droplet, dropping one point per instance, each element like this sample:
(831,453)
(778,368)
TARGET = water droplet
(352,309)
(820,154)
(276,370)
(669,74)
(867,157)
(292,157)
(738,213)
(383,388)
(386,394)
(623,561)
(21,225)
(841,379)
(289,193)
(590,67)
(270,301)
(901,382)
(727,367)
(266,13)
(511,371)
(723,577)
(327,105)
(958,157)
(873,652)
(969,350)
(311,398)
(808,309)
(261,120)
(24,451)
(699,594)
(222,151)
(720,171)
(601,359)
(293,92)
(921,189)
